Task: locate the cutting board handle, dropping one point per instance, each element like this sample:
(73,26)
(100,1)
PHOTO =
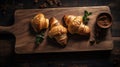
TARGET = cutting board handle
(6,29)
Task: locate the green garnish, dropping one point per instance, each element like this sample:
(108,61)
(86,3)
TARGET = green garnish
(40,37)
(85,17)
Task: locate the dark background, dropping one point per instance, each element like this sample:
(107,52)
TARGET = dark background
(8,58)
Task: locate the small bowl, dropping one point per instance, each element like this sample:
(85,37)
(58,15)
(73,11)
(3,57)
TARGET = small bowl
(104,20)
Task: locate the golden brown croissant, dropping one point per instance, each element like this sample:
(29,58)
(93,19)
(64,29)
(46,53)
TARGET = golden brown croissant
(75,25)
(57,31)
(39,22)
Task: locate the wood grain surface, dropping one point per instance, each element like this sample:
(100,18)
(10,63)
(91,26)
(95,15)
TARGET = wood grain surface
(25,40)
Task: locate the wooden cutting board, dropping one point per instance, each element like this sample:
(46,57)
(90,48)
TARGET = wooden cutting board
(25,40)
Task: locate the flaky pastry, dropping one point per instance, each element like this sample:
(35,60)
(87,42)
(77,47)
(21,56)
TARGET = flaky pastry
(39,22)
(75,25)
(57,31)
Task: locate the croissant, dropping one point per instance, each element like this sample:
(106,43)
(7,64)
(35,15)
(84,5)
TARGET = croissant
(57,31)
(39,22)
(75,25)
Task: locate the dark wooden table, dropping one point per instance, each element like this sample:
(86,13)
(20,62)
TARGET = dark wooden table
(8,58)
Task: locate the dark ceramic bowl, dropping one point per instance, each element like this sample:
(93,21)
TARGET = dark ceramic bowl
(104,20)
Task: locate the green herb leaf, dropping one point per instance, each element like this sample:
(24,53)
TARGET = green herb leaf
(40,37)
(85,17)
(89,13)
(86,12)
